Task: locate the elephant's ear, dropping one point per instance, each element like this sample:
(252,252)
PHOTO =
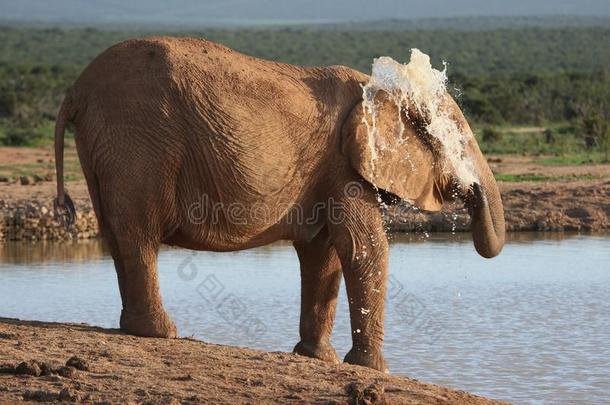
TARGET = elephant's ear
(391,156)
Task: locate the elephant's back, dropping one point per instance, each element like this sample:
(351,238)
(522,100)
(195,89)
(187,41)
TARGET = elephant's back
(140,81)
(171,61)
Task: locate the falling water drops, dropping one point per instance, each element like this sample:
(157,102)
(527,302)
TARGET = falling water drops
(417,83)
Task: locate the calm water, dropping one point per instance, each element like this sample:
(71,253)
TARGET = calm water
(531,326)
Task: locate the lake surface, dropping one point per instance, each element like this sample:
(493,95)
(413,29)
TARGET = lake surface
(531,326)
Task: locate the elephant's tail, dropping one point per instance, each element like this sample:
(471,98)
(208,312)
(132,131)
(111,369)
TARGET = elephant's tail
(64,207)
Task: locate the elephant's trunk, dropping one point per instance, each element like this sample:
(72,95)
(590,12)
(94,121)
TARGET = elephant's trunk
(483,200)
(486,211)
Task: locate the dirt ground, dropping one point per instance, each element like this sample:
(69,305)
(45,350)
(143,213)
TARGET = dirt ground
(52,362)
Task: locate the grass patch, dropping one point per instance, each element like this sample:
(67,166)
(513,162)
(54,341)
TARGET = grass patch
(533,177)
(516,178)
(72,168)
(562,140)
(573,159)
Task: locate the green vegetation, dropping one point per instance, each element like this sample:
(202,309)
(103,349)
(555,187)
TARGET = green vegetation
(573,159)
(518,178)
(29,98)
(514,178)
(555,78)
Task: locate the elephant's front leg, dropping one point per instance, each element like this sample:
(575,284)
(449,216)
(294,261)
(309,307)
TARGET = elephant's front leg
(320,279)
(362,246)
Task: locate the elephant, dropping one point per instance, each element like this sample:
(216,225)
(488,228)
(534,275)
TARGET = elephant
(188,143)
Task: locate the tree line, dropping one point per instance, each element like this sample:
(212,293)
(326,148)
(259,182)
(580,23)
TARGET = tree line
(526,76)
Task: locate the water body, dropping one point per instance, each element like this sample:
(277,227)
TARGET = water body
(531,326)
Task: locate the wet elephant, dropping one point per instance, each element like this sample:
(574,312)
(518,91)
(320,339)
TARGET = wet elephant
(188,143)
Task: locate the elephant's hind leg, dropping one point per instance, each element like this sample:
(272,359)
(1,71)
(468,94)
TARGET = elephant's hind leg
(135,251)
(320,278)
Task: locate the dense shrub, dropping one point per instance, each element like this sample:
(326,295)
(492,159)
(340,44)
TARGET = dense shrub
(527,76)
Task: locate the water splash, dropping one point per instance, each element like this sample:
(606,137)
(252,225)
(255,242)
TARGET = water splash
(417,83)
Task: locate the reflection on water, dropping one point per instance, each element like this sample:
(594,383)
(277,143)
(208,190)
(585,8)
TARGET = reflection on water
(78,251)
(531,325)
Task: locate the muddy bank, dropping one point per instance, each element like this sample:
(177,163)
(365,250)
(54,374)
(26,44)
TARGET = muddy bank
(544,206)
(551,207)
(569,197)
(50,362)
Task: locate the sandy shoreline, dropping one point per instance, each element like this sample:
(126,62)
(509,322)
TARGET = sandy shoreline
(85,364)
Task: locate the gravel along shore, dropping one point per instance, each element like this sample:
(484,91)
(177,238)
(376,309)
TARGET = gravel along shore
(549,206)
(537,197)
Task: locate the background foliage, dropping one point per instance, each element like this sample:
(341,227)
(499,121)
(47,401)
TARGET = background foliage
(553,78)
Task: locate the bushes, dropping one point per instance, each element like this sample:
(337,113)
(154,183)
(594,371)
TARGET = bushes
(595,130)
(12,134)
(492,69)
(32,93)
(30,96)
(531,99)
(491,135)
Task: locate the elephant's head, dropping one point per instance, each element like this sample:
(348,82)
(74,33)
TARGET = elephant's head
(393,150)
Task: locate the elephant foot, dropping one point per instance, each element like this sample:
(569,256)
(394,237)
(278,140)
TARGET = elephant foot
(152,324)
(367,357)
(317,350)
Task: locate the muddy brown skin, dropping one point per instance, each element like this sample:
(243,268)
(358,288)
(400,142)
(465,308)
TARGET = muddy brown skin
(188,143)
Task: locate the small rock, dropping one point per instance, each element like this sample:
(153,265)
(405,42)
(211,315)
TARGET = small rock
(39,396)
(66,372)
(28,368)
(140,392)
(293,396)
(66,395)
(46,369)
(373,394)
(7,369)
(77,363)
(578,212)
(37,178)
(4,179)
(24,180)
